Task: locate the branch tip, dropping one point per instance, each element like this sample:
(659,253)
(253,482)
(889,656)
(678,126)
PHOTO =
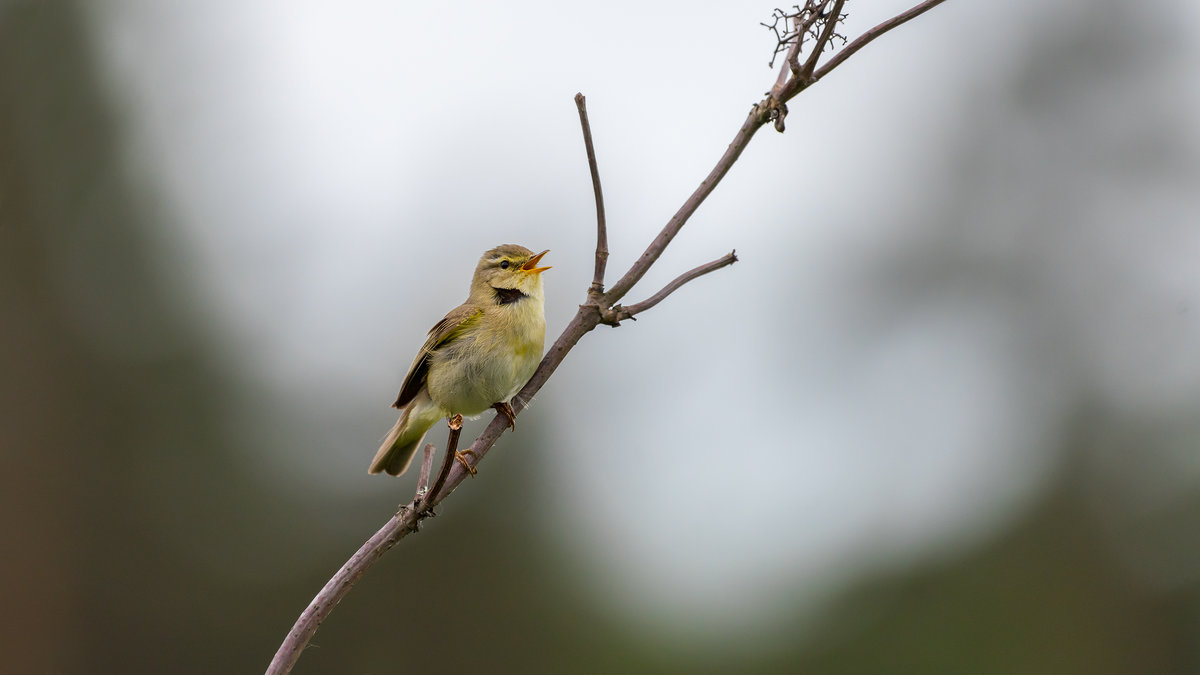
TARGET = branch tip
(631,311)
(426,467)
(601,226)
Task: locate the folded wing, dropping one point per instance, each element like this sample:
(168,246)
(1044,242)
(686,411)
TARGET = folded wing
(457,322)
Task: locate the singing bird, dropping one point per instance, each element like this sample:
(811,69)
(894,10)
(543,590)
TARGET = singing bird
(476,358)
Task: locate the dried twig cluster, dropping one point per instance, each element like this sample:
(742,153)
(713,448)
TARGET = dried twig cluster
(798,24)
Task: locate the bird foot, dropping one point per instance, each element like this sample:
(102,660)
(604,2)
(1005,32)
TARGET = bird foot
(507,410)
(461,457)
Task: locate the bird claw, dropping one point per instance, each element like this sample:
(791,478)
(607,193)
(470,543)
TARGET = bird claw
(461,457)
(507,410)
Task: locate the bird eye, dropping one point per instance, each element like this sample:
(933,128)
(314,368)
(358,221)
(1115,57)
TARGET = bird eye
(503,264)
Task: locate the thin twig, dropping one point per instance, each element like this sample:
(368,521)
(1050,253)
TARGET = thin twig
(792,40)
(799,25)
(862,40)
(633,310)
(831,22)
(455,424)
(601,226)
(426,466)
(803,25)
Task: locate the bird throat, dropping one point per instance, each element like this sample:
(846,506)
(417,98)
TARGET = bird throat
(507,296)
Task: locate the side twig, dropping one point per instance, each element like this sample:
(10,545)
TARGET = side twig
(831,21)
(426,467)
(455,424)
(601,227)
(633,310)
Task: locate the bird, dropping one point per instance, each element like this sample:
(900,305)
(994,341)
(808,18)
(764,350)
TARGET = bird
(477,357)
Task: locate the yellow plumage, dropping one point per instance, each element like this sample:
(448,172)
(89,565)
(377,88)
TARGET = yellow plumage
(479,355)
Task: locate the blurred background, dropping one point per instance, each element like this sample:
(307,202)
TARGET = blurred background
(943,417)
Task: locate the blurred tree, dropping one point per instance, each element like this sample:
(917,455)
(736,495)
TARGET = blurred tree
(108,399)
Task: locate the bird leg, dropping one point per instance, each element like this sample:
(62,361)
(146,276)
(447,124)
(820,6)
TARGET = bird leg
(461,456)
(506,410)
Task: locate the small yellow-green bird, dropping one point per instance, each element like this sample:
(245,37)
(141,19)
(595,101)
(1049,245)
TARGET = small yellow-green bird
(476,358)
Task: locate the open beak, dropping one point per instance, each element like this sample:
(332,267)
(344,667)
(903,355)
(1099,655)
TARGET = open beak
(532,267)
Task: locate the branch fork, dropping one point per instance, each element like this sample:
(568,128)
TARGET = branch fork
(795,77)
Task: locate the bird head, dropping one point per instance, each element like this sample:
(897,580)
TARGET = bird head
(507,274)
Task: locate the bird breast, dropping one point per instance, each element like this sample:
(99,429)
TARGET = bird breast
(491,361)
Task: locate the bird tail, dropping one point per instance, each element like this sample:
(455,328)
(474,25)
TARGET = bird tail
(402,441)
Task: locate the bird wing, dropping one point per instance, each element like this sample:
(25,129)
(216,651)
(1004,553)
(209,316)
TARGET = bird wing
(457,322)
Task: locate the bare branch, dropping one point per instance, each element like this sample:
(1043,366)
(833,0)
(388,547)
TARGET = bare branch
(400,525)
(831,21)
(601,307)
(771,108)
(862,40)
(633,310)
(591,315)
(601,227)
(805,22)
(800,26)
